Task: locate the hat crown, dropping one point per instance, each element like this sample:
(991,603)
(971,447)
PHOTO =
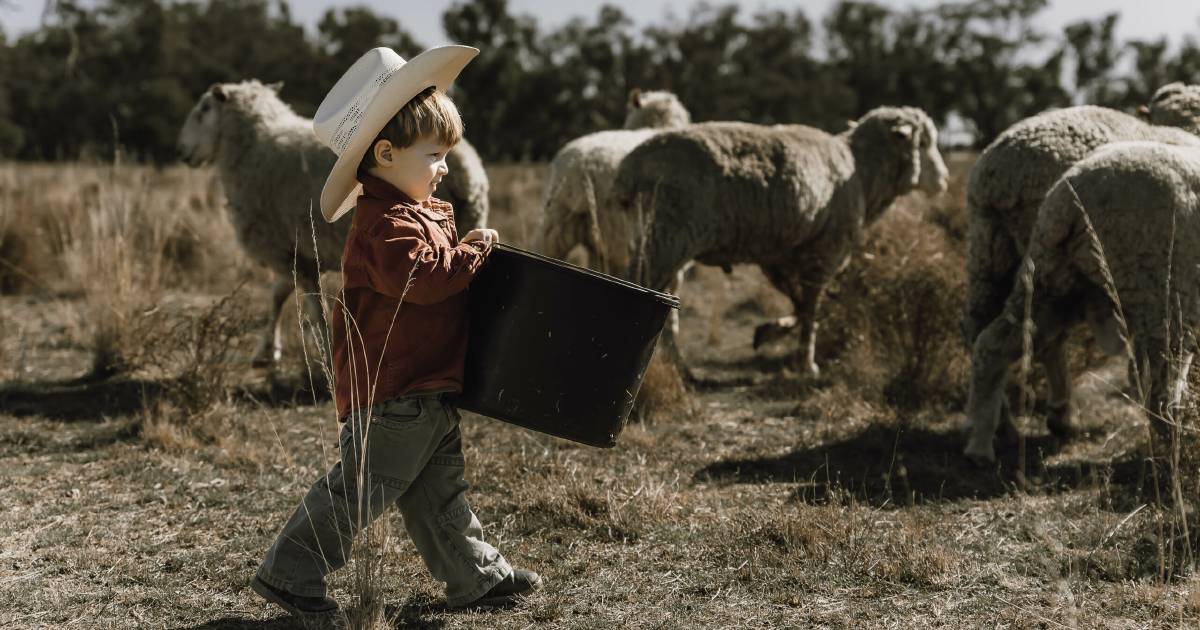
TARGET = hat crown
(338,116)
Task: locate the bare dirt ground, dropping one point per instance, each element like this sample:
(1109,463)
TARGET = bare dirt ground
(764,500)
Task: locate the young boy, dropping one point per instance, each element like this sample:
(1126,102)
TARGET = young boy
(399,341)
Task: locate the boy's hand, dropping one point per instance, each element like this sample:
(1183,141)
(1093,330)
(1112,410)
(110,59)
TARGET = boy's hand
(489,237)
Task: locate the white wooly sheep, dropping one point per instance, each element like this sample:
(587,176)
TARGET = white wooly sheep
(577,209)
(272,167)
(790,198)
(1009,182)
(1121,227)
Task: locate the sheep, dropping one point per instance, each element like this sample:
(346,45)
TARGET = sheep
(1117,234)
(576,209)
(1004,190)
(790,198)
(272,167)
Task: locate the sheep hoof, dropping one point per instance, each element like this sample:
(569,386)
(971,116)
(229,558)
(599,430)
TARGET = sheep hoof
(979,454)
(1007,433)
(261,362)
(812,370)
(772,331)
(265,359)
(1061,423)
(761,332)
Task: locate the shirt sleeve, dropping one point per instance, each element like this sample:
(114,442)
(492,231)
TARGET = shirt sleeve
(402,264)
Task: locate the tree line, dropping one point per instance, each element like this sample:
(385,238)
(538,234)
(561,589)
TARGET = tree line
(107,74)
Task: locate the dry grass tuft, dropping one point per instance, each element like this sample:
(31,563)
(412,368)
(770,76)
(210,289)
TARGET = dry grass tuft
(897,308)
(663,394)
(196,352)
(858,544)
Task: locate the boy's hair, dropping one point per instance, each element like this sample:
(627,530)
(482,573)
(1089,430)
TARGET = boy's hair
(430,113)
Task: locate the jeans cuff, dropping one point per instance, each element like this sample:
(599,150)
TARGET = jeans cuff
(290,587)
(492,576)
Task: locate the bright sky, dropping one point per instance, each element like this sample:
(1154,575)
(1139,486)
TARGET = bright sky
(1139,18)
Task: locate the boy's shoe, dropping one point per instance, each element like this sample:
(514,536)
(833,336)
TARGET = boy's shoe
(508,591)
(309,609)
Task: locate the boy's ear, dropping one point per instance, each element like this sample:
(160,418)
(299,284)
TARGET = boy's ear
(382,151)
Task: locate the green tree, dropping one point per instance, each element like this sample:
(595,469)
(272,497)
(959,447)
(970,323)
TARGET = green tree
(1093,46)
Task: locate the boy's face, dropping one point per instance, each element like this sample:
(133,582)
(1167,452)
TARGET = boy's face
(414,170)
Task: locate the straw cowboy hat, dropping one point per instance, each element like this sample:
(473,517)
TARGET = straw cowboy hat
(365,99)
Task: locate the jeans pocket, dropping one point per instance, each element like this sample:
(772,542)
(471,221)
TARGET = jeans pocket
(398,411)
(397,437)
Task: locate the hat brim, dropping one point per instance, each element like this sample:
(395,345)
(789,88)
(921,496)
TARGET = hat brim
(436,67)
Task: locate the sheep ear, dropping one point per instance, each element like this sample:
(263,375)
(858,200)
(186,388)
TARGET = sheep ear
(219,93)
(903,131)
(1143,112)
(851,124)
(635,98)
(276,86)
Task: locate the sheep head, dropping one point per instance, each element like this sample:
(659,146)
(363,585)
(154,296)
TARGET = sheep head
(655,110)
(199,138)
(1176,105)
(197,142)
(908,134)
(933,177)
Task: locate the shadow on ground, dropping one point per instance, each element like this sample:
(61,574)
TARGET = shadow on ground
(87,399)
(906,464)
(413,614)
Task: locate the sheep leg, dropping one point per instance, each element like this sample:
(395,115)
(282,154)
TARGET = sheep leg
(1060,420)
(314,315)
(773,330)
(670,333)
(1164,375)
(805,287)
(270,344)
(992,262)
(1181,378)
(995,349)
(998,345)
(806,312)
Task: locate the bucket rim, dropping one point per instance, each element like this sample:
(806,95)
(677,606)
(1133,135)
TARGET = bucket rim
(665,298)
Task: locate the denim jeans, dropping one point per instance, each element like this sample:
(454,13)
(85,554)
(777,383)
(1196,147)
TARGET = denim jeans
(413,458)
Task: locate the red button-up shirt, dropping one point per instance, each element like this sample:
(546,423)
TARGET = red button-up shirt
(400,326)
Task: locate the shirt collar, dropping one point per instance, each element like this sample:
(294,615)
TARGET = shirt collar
(380,189)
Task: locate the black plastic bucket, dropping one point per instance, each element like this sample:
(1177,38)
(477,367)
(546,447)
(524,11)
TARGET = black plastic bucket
(557,348)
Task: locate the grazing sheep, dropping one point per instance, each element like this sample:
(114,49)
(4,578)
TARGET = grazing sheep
(1006,186)
(1121,227)
(577,210)
(790,198)
(272,168)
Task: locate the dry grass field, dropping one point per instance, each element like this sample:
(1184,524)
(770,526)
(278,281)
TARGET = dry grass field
(145,467)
